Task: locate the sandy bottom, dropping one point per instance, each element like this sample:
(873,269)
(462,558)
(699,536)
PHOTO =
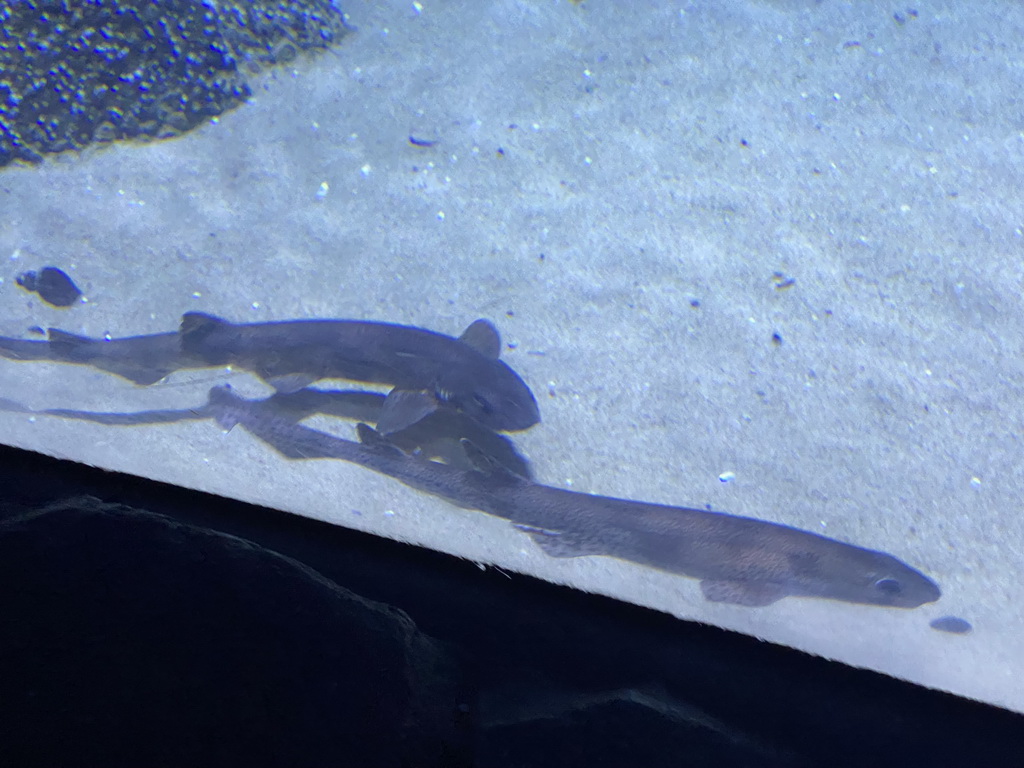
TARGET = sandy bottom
(762,256)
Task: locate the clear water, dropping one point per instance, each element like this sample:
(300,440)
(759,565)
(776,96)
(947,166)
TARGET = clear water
(761,257)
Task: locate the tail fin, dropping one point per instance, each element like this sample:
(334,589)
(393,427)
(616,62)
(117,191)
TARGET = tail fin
(25,349)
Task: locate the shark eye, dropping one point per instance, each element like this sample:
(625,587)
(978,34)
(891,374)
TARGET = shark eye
(889,586)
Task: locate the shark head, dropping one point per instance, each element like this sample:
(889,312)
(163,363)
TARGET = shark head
(864,576)
(499,399)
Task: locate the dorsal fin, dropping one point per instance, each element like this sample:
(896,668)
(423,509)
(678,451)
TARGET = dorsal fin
(196,325)
(59,337)
(482,336)
(487,465)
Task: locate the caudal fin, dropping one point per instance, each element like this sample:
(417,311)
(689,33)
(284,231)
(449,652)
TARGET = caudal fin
(143,360)
(25,349)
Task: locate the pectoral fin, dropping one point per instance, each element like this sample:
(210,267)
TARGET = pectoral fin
(447,450)
(749,593)
(195,326)
(402,408)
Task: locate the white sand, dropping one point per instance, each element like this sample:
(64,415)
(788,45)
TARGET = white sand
(598,168)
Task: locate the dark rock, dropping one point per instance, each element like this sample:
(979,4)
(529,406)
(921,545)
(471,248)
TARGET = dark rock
(75,73)
(53,286)
(951,624)
(132,639)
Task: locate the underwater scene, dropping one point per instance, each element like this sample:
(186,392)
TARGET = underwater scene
(714,308)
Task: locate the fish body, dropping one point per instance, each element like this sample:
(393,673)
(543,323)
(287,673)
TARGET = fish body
(429,371)
(738,560)
(464,373)
(437,435)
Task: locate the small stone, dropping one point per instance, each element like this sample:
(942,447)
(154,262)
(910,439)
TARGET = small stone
(952,624)
(53,286)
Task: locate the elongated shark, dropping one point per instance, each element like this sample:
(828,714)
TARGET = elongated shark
(464,373)
(439,434)
(427,369)
(738,560)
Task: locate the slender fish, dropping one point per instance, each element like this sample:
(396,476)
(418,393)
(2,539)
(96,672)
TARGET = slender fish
(737,559)
(464,373)
(428,370)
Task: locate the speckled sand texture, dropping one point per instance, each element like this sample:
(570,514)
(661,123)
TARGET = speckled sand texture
(764,256)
